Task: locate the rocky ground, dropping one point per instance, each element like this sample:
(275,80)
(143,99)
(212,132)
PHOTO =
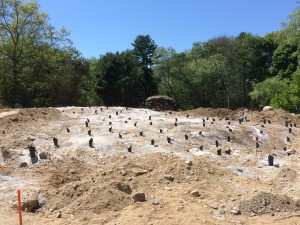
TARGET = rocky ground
(130,174)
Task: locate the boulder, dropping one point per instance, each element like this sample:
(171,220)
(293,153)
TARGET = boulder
(18,106)
(235,211)
(161,103)
(43,155)
(30,206)
(169,177)
(139,197)
(139,172)
(195,193)
(24,164)
(42,201)
(268,108)
(123,187)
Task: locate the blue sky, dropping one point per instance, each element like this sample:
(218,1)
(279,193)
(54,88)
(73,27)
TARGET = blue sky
(100,26)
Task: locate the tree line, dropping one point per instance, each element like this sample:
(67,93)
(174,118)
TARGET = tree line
(40,67)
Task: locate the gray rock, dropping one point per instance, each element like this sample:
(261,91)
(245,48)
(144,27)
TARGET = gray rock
(58,215)
(123,187)
(291,151)
(123,173)
(268,108)
(43,155)
(53,209)
(14,119)
(18,106)
(30,206)
(213,206)
(195,193)
(138,172)
(235,211)
(139,197)
(42,201)
(189,162)
(169,177)
(161,103)
(155,202)
(24,164)
(31,138)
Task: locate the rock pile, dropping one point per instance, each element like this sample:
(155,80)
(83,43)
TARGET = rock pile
(267,203)
(161,103)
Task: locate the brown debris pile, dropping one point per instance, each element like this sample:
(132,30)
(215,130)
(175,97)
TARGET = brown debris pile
(264,203)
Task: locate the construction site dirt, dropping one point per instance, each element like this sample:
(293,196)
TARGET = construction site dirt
(117,165)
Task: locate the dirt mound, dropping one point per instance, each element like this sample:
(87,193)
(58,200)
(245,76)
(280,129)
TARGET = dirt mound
(286,174)
(275,116)
(11,117)
(37,113)
(209,112)
(80,188)
(109,186)
(264,203)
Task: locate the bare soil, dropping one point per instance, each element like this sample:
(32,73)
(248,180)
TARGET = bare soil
(184,181)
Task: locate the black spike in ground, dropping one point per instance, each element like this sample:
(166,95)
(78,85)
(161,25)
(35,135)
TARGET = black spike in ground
(55,142)
(91,143)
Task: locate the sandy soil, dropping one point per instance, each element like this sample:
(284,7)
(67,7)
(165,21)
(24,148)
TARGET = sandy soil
(184,181)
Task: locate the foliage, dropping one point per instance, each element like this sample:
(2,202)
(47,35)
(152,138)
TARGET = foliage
(289,98)
(40,67)
(217,73)
(24,31)
(119,77)
(284,59)
(144,48)
(38,63)
(265,91)
(283,90)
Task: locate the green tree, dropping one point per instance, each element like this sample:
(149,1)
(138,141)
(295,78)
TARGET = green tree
(144,48)
(263,93)
(283,91)
(89,86)
(119,77)
(208,81)
(132,89)
(284,60)
(198,78)
(224,46)
(109,72)
(169,67)
(60,73)
(23,32)
(253,57)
